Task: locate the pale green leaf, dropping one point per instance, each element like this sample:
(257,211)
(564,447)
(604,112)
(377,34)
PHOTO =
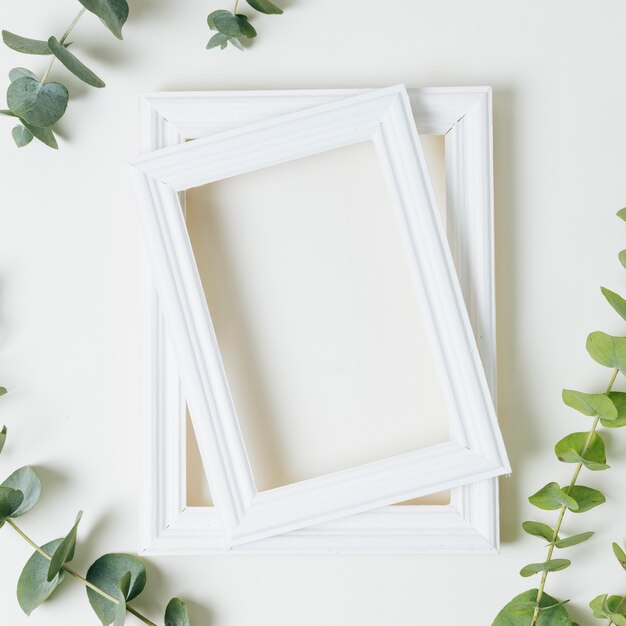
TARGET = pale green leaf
(622,258)
(20,72)
(574,449)
(10,501)
(21,136)
(265,6)
(218,40)
(24,44)
(106,574)
(176,613)
(65,552)
(616,301)
(519,611)
(38,104)
(33,587)
(75,66)
(551,497)
(622,214)
(592,404)
(3,437)
(26,481)
(233,41)
(45,135)
(586,497)
(574,540)
(553,565)
(3,390)
(619,555)
(113,13)
(537,529)
(618,398)
(607,350)
(232,25)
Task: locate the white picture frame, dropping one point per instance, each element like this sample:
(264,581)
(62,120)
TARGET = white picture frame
(469,523)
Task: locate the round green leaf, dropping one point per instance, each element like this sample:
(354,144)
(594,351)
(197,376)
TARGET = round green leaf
(247,30)
(592,404)
(551,497)
(65,552)
(622,258)
(113,13)
(33,587)
(212,16)
(26,481)
(10,501)
(45,135)
(607,350)
(21,136)
(25,45)
(176,613)
(622,214)
(265,6)
(618,398)
(107,573)
(519,611)
(39,104)
(571,449)
(537,529)
(20,72)
(586,497)
(75,66)
(553,565)
(231,25)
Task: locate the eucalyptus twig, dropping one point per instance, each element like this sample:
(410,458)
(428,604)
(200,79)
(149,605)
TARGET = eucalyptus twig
(38,104)
(584,450)
(557,529)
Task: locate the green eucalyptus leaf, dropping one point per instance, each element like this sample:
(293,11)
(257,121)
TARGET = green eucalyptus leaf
(599,606)
(39,104)
(3,390)
(21,136)
(618,398)
(622,214)
(622,258)
(123,587)
(618,619)
(607,350)
(519,611)
(553,565)
(619,555)
(616,301)
(571,449)
(75,66)
(592,404)
(20,72)
(176,613)
(10,501)
(113,13)
(33,587)
(45,135)
(574,540)
(106,574)
(65,552)
(26,481)
(25,45)
(537,529)
(218,40)
(586,497)
(232,25)
(551,497)
(3,438)
(233,41)
(265,6)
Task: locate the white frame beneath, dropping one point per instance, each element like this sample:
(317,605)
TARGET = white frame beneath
(469,523)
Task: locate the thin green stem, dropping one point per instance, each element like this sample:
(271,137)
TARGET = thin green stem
(75,575)
(63,39)
(236,6)
(557,529)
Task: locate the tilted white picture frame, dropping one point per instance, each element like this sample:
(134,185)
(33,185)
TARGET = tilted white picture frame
(469,523)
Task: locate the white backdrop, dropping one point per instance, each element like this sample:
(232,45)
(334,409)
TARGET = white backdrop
(69,282)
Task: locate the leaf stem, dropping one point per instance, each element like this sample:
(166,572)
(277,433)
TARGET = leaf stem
(75,575)
(236,6)
(63,39)
(557,529)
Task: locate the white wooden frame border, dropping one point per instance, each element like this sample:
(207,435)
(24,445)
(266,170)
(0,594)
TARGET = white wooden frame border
(469,523)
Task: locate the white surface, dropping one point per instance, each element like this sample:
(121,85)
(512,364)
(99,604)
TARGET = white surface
(463,116)
(69,278)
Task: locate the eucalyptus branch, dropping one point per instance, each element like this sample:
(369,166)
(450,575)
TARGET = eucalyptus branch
(235,28)
(38,104)
(112,582)
(584,450)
